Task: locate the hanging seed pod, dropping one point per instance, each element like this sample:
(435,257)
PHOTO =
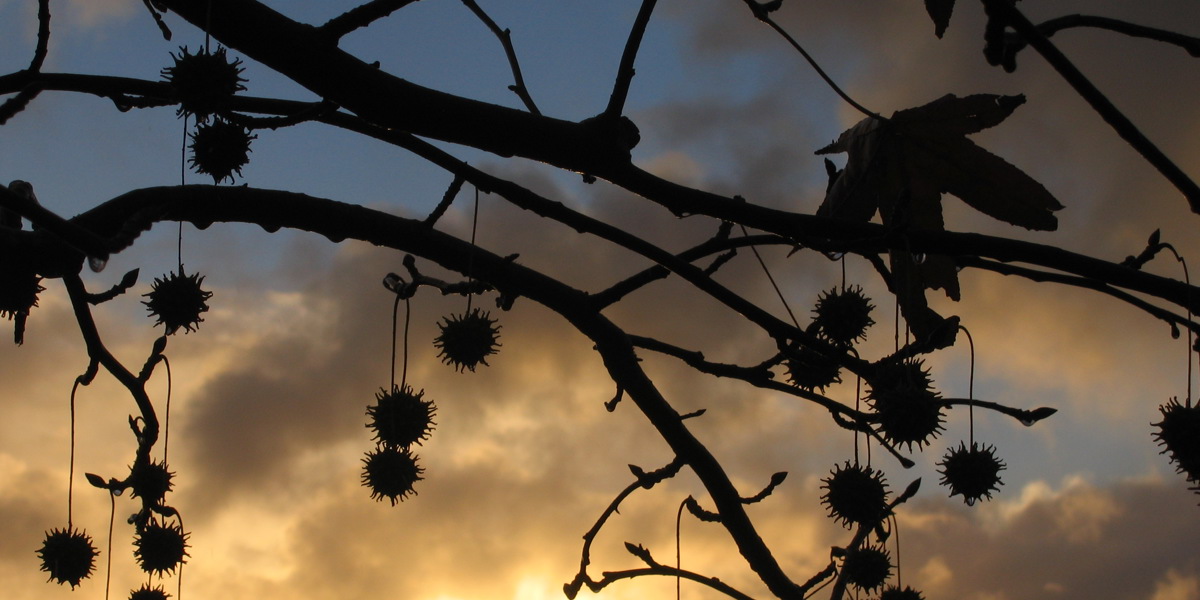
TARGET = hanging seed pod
(19,288)
(151,481)
(160,547)
(401,417)
(810,370)
(68,555)
(203,82)
(908,409)
(148,593)
(855,494)
(390,472)
(1179,435)
(467,340)
(894,593)
(843,316)
(220,149)
(973,472)
(178,301)
(867,567)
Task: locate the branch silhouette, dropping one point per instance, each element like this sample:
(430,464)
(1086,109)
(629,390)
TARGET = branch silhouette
(899,169)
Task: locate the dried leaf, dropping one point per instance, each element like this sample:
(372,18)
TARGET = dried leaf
(939,11)
(995,187)
(96,480)
(900,167)
(951,115)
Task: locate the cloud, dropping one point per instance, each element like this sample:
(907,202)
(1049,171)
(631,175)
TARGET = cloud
(269,397)
(1177,587)
(1075,540)
(91,14)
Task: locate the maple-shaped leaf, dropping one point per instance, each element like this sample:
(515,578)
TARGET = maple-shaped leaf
(900,167)
(939,11)
(925,149)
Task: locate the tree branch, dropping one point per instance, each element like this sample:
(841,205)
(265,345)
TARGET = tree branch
(1008,14)
(205,205)
(360,16)
(644,481)
(1172,319)
(302,53)
(616,102)
(147,435)
(505,38)
(808,230)
(610,577)
(43,36)
(1053,26)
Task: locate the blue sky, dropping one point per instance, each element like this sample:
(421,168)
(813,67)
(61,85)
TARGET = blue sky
(269,393)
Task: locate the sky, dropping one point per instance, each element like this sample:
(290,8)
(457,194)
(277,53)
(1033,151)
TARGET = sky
(269,395)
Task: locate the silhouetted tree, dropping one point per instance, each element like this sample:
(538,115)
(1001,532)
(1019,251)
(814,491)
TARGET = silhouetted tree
(883,206)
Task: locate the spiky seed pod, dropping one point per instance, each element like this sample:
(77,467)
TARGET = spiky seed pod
(151,481)
(19,288)
(203,82)
(894,593)
(973,472)
(855,494)
(843,316)
(467,340)
(401,417)
(68,555)
(1179,434)
(177,301)
(867,567)
(811,370)
(220,149)
(148,593)
(391,472)
(160,547)
(909,411)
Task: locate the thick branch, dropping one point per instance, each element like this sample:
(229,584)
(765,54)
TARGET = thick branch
(808,230)
(205,205)
(305,55)
(360,16)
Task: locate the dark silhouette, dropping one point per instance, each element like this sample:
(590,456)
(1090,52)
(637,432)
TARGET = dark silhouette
(884,205)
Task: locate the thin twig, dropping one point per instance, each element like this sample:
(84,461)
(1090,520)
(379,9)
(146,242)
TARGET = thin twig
(625,72)
(505,37)
(1166,316)
(1011,16)
(447,199)
(644,481)
(43,36)
(712,582)
(1027,417)
(158,20)
(17,103)
(761,12)
(860,535)
(778,292)
(1053,26)
(619,290)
